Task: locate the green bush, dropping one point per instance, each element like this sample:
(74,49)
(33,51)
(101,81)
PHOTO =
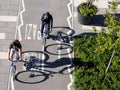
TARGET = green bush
(87,9)
(90,64)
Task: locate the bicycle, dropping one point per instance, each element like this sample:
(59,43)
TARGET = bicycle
(31,64)
(13,64)
(13,69)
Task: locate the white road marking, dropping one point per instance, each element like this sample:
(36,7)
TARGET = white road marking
(69,70)
(71,26)
(9,79)
(59,51)
(70,12)
(8,18)
(34,31)
(21,20)
(69,66)
(12,83)
(29,30)
(43,58)
(2,35)
(3,55)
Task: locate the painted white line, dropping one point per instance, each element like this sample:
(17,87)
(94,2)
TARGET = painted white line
(43,58)
(69,85)
(59,50)
(69,70)
(21,20)
(9,79)
(8,18)
(12,83)
(2,35)
(3,55)
(70,12)
(69,66)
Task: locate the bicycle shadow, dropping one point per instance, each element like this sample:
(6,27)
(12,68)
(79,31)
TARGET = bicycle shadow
(46,74)
(62,47)
(65,31)
(43,75)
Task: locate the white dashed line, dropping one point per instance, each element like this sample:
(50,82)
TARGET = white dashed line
(70,12)
(21,20)
(3,55)
(8,18)
(2,35)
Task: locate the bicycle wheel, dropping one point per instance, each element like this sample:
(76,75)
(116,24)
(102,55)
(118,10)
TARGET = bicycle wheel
(31,77)
(44,41)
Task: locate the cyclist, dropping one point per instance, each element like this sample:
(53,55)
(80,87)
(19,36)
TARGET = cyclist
(47,20)
(15,51)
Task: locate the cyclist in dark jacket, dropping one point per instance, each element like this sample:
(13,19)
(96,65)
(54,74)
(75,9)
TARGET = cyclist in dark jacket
(46,19)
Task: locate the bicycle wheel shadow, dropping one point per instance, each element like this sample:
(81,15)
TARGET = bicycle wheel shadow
(39,75)
(35,64)
(53,49)
(65,33)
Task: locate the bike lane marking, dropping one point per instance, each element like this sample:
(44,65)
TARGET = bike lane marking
(3,55)
(70,23)
(2,35)
(8,18)
(20,15)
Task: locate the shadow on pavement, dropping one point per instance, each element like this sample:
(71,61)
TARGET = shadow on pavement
(38,75)
(63,46)
(98,20)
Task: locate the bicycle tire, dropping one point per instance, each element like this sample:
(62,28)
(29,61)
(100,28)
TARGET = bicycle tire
(26,77)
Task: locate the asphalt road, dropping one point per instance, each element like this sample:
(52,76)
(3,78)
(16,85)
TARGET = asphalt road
(54,67)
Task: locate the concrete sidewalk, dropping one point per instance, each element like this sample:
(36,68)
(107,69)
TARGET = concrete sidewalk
(8,21)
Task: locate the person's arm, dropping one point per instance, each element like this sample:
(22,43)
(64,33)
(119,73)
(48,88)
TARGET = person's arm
(42,24)
(20,54)
(20,51)
(9,54)
(51,22)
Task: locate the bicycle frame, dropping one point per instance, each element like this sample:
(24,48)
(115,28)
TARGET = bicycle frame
(45,34)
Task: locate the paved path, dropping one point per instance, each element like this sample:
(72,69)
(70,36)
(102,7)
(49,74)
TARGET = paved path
(8,21)
(55,62)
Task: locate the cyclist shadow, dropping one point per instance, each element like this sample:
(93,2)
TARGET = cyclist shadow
(46,73)
(65,63)
(35,63)
(63,31)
